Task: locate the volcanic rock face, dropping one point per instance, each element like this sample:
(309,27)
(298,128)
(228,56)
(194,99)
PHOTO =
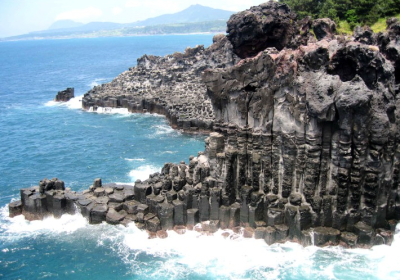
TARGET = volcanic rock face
(304,144)
(65,95)
(268,25)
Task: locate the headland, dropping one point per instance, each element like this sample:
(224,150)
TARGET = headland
(303,144)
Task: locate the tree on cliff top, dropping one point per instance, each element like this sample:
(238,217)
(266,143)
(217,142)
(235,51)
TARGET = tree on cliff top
(353,11)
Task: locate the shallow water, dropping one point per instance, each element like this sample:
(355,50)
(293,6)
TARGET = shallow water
(40,138)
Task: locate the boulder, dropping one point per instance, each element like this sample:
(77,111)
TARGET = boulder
(98,214)
(114,217)
(15,208)
(324,28)
(260,27)
(65,95)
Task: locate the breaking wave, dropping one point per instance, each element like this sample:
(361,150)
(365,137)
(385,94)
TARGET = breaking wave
(194,255)
(73,103)
(143,172)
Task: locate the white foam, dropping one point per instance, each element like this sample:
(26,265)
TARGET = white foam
(143,172)
(94,84)
(18,227)
(169,152)
(97,81)
(122,183)
(216,255)
(180,256)
(243,258)
(73,103)
(162,129)
(52,103)
(134,159)
(110,111)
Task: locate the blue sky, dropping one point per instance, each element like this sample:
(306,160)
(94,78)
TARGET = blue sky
(23,16)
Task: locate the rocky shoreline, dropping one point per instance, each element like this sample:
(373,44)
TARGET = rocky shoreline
(170,86)
(303,144)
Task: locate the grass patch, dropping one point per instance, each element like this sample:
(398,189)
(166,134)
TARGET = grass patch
(380,25)
(344,27)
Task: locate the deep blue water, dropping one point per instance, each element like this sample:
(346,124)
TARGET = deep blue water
(39,139)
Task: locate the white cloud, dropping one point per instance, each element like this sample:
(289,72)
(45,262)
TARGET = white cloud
(133,3)
(116,10)
(81,14)
(158,6)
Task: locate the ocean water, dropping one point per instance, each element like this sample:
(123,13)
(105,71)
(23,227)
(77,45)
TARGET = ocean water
(40,138)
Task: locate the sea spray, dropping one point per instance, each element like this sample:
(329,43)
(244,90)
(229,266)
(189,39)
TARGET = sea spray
(202,256)
(143,172)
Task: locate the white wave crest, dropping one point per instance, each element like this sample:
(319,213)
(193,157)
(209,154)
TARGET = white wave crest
(134,159)
(242,258)
(110,111)
(52,103)
(73,103)
(235,257)
(96,82)
(169,152)
(143,172)
(18,227)
(161,129)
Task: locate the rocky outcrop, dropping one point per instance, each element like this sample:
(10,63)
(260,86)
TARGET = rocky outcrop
(169,85)
(304,144)
(324,28)
(65,95)
(269,25)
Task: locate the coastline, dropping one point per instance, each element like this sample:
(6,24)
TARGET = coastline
(111,36)
(286,159)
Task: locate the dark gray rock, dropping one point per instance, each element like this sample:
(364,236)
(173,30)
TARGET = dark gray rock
(15,208)
(326,236)
(65,95)
(267,25)
(98,214)
(114,217)
(324,28)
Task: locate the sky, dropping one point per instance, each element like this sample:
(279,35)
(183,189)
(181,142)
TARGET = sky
(22,16)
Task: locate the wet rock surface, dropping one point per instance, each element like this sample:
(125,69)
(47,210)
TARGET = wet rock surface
(304,142)
(65,95)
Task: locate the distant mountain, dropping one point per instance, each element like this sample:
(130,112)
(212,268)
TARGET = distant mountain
(196,18)
(66,23)
(195,13)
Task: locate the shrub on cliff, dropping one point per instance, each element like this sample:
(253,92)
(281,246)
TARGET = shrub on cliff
(353,11)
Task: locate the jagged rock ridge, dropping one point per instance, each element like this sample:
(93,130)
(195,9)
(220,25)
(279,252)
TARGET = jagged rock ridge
(305,137)
(169,85)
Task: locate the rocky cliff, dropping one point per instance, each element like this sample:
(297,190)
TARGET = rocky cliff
(305,133)
(169,85)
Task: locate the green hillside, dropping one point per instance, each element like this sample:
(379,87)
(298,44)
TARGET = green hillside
(348,13)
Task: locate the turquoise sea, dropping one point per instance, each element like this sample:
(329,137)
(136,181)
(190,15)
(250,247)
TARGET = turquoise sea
(39,138)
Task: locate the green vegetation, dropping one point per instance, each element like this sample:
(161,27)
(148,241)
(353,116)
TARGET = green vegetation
(347,13)
(380,25)
(343,27)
